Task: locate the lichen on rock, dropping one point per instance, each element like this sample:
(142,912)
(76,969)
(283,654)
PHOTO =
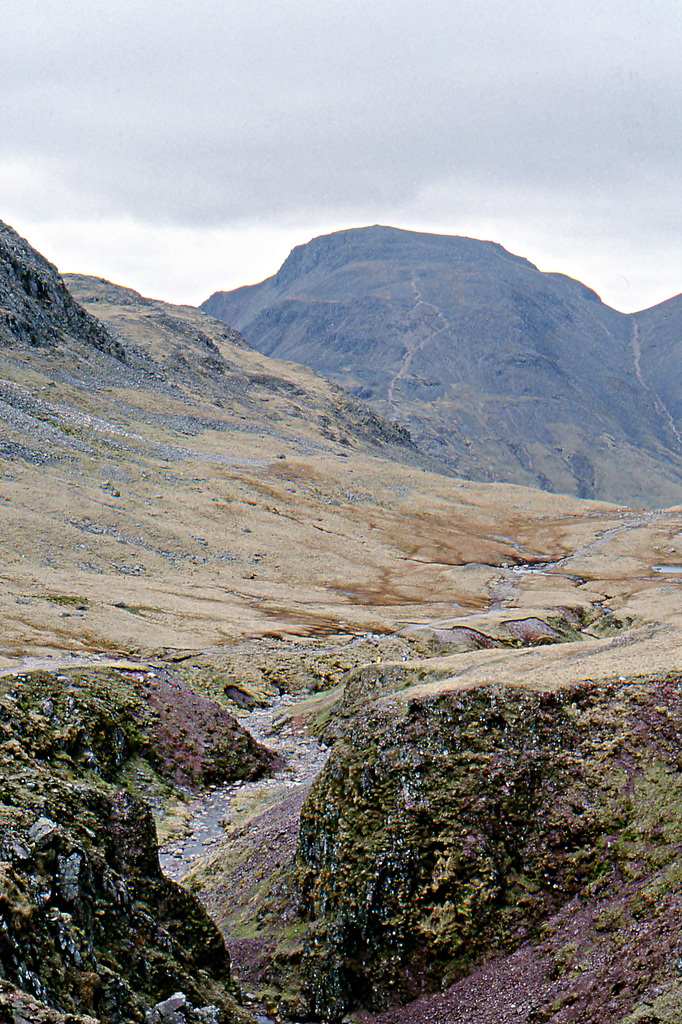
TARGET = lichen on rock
(451,828)
(89,925)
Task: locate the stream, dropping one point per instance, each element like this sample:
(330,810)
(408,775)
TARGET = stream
(212,813)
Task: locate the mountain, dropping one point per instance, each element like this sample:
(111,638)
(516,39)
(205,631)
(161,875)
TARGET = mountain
(657,340)
(498,369)
(209,559)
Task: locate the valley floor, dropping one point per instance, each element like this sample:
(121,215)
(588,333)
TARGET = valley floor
(413,741)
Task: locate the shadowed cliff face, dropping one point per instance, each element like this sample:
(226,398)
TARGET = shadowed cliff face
(36,309)
(88,923)
(503,372)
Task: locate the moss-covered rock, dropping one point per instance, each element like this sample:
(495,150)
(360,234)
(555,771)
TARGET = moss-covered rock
(450,827)
(88,923)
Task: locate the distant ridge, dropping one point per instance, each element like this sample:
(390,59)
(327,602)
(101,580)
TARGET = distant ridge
(498,369)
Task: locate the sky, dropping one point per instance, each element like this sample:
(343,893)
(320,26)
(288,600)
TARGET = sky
(182,148)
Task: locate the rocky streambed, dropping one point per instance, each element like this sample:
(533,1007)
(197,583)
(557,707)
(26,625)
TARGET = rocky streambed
(212,815)
(93,923)
(383,844)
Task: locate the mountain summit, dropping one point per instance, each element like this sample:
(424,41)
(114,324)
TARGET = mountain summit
(500,370)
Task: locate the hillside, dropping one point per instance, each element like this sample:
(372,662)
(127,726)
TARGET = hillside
(657,334)
(412,742)
(499,370)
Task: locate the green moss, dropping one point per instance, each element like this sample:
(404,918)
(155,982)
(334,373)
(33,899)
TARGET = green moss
(610,919)
(565,958)
(450,825)
(654,823)
(67,600)
(665,1008)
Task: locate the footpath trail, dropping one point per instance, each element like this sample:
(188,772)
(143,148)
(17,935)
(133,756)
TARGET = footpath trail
(216,811)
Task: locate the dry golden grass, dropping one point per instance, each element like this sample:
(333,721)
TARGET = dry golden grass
(264,525)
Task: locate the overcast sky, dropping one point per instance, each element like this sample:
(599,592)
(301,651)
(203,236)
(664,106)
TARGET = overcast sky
(179,148)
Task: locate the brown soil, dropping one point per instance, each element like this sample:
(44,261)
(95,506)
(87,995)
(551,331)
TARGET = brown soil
(582,974)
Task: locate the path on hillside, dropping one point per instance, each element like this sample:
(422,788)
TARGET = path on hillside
(659,406)
(631,521)
(412,345)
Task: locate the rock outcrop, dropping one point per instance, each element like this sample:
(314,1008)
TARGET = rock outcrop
(36,308)
(88,922)
(452,829)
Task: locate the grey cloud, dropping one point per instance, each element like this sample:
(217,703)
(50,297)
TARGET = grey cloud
(219,112)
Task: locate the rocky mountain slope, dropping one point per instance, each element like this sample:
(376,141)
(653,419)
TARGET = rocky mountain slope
(200,545)
(36,307)
(501,371)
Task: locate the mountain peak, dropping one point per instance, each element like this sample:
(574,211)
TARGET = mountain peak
(379,243)
(502,371)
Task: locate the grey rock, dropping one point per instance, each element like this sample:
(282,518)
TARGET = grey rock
(42,832)
(205,1015)
(69,876)
(37,309)
(171,1005)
